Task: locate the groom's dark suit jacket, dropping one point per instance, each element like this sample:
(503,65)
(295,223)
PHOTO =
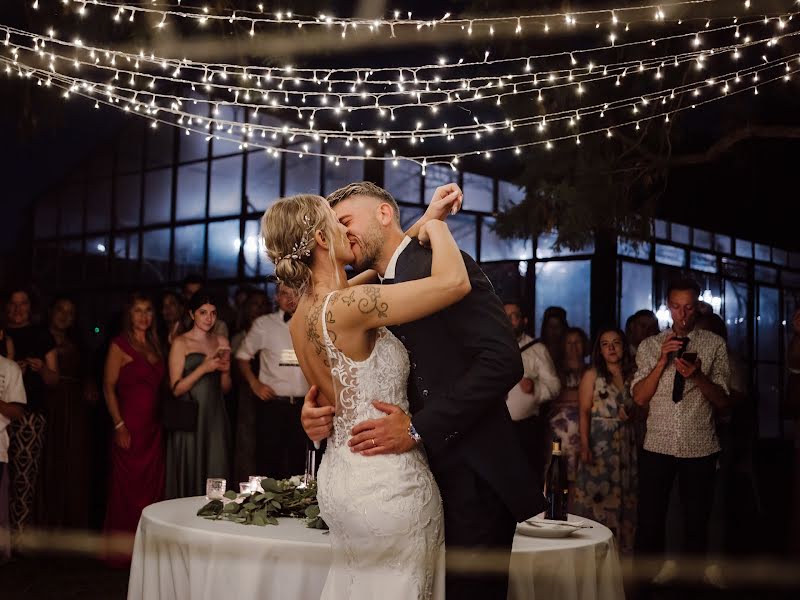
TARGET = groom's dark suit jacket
(464,360)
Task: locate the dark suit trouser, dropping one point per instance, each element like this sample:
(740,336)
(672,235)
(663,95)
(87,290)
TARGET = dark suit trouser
(479,531)
(696,488)
(280,440)
(536,440)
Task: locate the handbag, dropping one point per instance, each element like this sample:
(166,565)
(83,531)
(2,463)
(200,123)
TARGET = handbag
(179,413)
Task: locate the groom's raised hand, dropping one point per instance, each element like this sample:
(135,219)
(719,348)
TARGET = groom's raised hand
(317,420)
(387,435)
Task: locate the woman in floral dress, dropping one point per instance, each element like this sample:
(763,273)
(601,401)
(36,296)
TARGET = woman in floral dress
(605,488)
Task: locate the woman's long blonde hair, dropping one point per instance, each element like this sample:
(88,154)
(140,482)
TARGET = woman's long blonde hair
(288,228)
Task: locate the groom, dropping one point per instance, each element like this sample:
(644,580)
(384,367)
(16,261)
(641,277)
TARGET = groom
(464,360)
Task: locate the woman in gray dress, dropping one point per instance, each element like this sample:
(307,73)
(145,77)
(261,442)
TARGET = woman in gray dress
(199,374)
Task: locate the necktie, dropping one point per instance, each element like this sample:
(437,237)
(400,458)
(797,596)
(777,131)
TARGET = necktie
(286,317)
(680,381)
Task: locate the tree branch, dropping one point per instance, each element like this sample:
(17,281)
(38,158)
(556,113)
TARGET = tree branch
(726,143)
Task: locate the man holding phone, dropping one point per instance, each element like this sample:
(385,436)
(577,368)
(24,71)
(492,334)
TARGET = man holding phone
(279,388)
(682,375)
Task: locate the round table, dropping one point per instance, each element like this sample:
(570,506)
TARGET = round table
(178,555)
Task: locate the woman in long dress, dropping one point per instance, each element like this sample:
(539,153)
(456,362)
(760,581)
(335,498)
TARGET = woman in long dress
(384,511)
(606,484)
(199,373)
(133,374)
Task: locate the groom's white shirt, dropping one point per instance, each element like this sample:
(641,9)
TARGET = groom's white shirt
(389,274)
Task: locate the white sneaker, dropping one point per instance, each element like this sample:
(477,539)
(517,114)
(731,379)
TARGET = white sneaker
(713,576)
(667,573)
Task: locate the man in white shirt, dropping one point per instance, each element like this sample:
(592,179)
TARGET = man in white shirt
(281,387)
(539,385)
(12,402)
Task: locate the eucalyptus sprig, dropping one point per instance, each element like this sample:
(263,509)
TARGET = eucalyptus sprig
(279,498)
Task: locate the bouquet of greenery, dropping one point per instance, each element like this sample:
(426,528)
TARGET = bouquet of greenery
(278,498)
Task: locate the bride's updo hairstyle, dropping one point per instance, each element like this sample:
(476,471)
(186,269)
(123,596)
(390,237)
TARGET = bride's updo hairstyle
(288,229)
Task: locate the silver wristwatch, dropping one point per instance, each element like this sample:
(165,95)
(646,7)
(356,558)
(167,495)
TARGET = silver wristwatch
(412,433)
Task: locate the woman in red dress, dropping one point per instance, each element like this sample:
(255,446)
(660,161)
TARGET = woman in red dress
(133,374)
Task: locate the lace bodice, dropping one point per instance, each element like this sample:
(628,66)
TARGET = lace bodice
(383,376)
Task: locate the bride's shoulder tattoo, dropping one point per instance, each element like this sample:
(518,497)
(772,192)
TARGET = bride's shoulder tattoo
(370,300)
(313,328)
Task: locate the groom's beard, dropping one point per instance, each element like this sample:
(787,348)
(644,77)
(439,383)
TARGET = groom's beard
(371,246)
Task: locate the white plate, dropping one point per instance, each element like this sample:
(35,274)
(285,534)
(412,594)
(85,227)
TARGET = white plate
(545,530)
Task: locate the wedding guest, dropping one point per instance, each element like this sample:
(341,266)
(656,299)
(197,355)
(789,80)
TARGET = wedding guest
(12,407)
(134,371)
(190,285)
(539,385)
(681,439)
(639,326)
(554,328)
(64,502)
(199,374)
(564,412)
(171,312)
(255,305)
(606,484)
(279,388)
(36,355)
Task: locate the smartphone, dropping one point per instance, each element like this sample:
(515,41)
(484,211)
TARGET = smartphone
(689,357)
(223,353)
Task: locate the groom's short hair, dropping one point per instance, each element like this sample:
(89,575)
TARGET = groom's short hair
(364,188)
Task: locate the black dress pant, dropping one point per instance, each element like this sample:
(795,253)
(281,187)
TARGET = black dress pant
(281,442)
(657,473)
(479,530)
(536,439)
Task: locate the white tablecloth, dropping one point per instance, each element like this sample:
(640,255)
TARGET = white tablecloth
(180,556)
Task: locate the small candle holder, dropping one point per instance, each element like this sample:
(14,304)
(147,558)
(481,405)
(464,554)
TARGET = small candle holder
(215,488)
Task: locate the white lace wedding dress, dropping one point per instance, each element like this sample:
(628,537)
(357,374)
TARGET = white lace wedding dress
(384,512)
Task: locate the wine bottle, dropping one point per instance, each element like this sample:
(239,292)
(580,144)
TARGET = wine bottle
(556,488)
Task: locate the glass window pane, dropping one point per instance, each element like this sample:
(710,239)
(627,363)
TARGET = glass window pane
(509,194)
(230,118)
(435,176)
(680,233)
(45,263)
(702,239)
(340,172)
(193,146)
(223,248)
(403,181)
(190,201)
(126,258)
(734,268)
(97,253)
(157,194)
(302,174)
(634,250)
(744,248)
(794,260)
(765,274)
(129,200)
(661,229)
(768,401)
(565,283)
(409,215)
(762,253)
(464,230)
(767,319)
(159,146)
(478,192)
(263,180)
(670,255)
(46,220)
(225,196)
(71,210)
(722,243)
(130,147)
(737,295)
(700,261)
(256,263)
(779,256)
(70,272)
(189,250)
(493,247)
(791,279)
(637,289)
(544,247)
(155,256)
(98,205)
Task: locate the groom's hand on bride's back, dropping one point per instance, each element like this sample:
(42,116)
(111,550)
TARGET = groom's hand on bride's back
(387,435)
(317,420)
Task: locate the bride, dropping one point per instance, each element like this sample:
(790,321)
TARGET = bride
(384,512)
